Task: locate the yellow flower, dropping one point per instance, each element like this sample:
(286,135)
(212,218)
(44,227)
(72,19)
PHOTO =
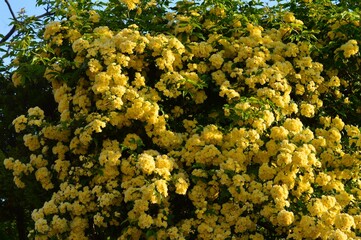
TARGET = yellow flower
(163,161)
(216,60)
(255,31)
(43,176)
(181,186)
(305,136)
(279,133)
(334,135)
(293,125)
(284,159)
(51,28)
(101,83)
(266,172)
(243,224)
(334,82)
(279,192)
(145,221)
(289,17)
(131,4)
(161,186)
(285,218)
(37,214)
(322,179)
(344,222)
(300,157)
(18,182)
(31,141)
(316,207)
(59,225)
(338,235)
(94,16)
(16,78)
(9,163)
(131,141)
(49,208)
(307,110)
(110,153)
(350,48)
(328,201)
(344,198)
(146,163)
(80,44)
(78,226)
(309,228)
(20,123)
(268,117)
(212,135)
(94,66)
(41,225)
(219,77)
(202,49)
(337,123)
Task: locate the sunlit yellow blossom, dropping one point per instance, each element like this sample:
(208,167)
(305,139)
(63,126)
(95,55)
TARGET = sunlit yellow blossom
(146,163)
(344,222)
(309,228)
(279,133)
(285,218)
(289,17)
(216,60)
(316,207)
(161,186)
(338,234)
(181,186)
(255,31)
(80,44)
(328,201)
(266,172)
(350,48)
(145,221)
(293,125)
(51,28)
(94,16)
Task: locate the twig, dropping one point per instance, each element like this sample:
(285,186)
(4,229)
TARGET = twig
(13,29)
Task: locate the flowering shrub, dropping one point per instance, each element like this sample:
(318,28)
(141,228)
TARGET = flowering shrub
(214,128)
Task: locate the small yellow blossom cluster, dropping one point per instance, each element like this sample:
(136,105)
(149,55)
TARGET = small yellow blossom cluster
(192,138)
(337,26)
(19,169)
(148,181)
(131,4)
(350,48)
(16,79)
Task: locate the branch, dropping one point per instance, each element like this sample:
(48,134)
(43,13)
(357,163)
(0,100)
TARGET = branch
(13,29)
(11,10)
(8,35)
